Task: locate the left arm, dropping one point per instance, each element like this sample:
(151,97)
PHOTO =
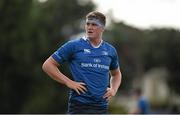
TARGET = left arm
(114,83)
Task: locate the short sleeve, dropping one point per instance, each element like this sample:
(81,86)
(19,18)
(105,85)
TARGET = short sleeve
(64,53)
(115,60)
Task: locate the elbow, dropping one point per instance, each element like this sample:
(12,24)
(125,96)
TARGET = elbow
(44,66)
(49,65)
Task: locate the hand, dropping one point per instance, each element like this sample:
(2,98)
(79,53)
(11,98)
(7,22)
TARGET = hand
(109,93)
(79,87)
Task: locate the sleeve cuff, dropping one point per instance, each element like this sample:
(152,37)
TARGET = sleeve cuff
(57,58)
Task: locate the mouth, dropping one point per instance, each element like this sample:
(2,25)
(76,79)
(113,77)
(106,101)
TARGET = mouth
(90,32)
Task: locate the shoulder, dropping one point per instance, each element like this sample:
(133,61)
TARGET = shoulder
(73,42)
(109,47)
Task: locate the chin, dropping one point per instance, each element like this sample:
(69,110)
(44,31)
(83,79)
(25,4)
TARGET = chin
(90,37)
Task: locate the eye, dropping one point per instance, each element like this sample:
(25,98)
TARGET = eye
(93,24)
(87,23)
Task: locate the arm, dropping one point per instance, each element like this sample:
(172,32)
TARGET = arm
(114,83)
(50,67)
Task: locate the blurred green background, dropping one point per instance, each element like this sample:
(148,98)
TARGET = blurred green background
(31,30)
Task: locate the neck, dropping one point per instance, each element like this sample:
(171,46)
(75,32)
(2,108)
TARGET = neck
(95,41)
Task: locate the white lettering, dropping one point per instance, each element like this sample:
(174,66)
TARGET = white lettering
(94,65)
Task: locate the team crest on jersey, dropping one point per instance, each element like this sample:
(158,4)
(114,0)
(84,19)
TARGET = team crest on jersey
(97,60)
(87,51)
(104,53)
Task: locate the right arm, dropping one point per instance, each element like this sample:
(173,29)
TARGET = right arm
(50,67)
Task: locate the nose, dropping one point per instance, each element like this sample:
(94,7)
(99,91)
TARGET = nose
(89,26)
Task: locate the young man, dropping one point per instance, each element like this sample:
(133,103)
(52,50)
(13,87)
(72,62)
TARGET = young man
(90,59)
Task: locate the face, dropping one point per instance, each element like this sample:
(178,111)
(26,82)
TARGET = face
(136,95)
(93,30)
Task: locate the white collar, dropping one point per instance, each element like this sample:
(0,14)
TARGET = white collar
(86,39)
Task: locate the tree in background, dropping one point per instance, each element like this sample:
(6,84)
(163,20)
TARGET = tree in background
(30,31)
(142,50)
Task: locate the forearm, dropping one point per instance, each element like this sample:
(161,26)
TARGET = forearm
(115,81)
(50,66)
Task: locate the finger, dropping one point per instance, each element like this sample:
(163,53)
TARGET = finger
(82,83)
(84,88)
(81,90)
(108,99)
(77,91)
(107,94)
(108,89)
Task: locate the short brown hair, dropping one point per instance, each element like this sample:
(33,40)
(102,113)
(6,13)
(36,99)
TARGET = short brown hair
(97,15)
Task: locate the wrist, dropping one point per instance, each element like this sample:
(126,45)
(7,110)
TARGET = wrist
(67,82)
(114,90)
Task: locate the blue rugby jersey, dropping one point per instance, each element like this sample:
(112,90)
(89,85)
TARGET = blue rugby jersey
(143,104)
(89,65)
